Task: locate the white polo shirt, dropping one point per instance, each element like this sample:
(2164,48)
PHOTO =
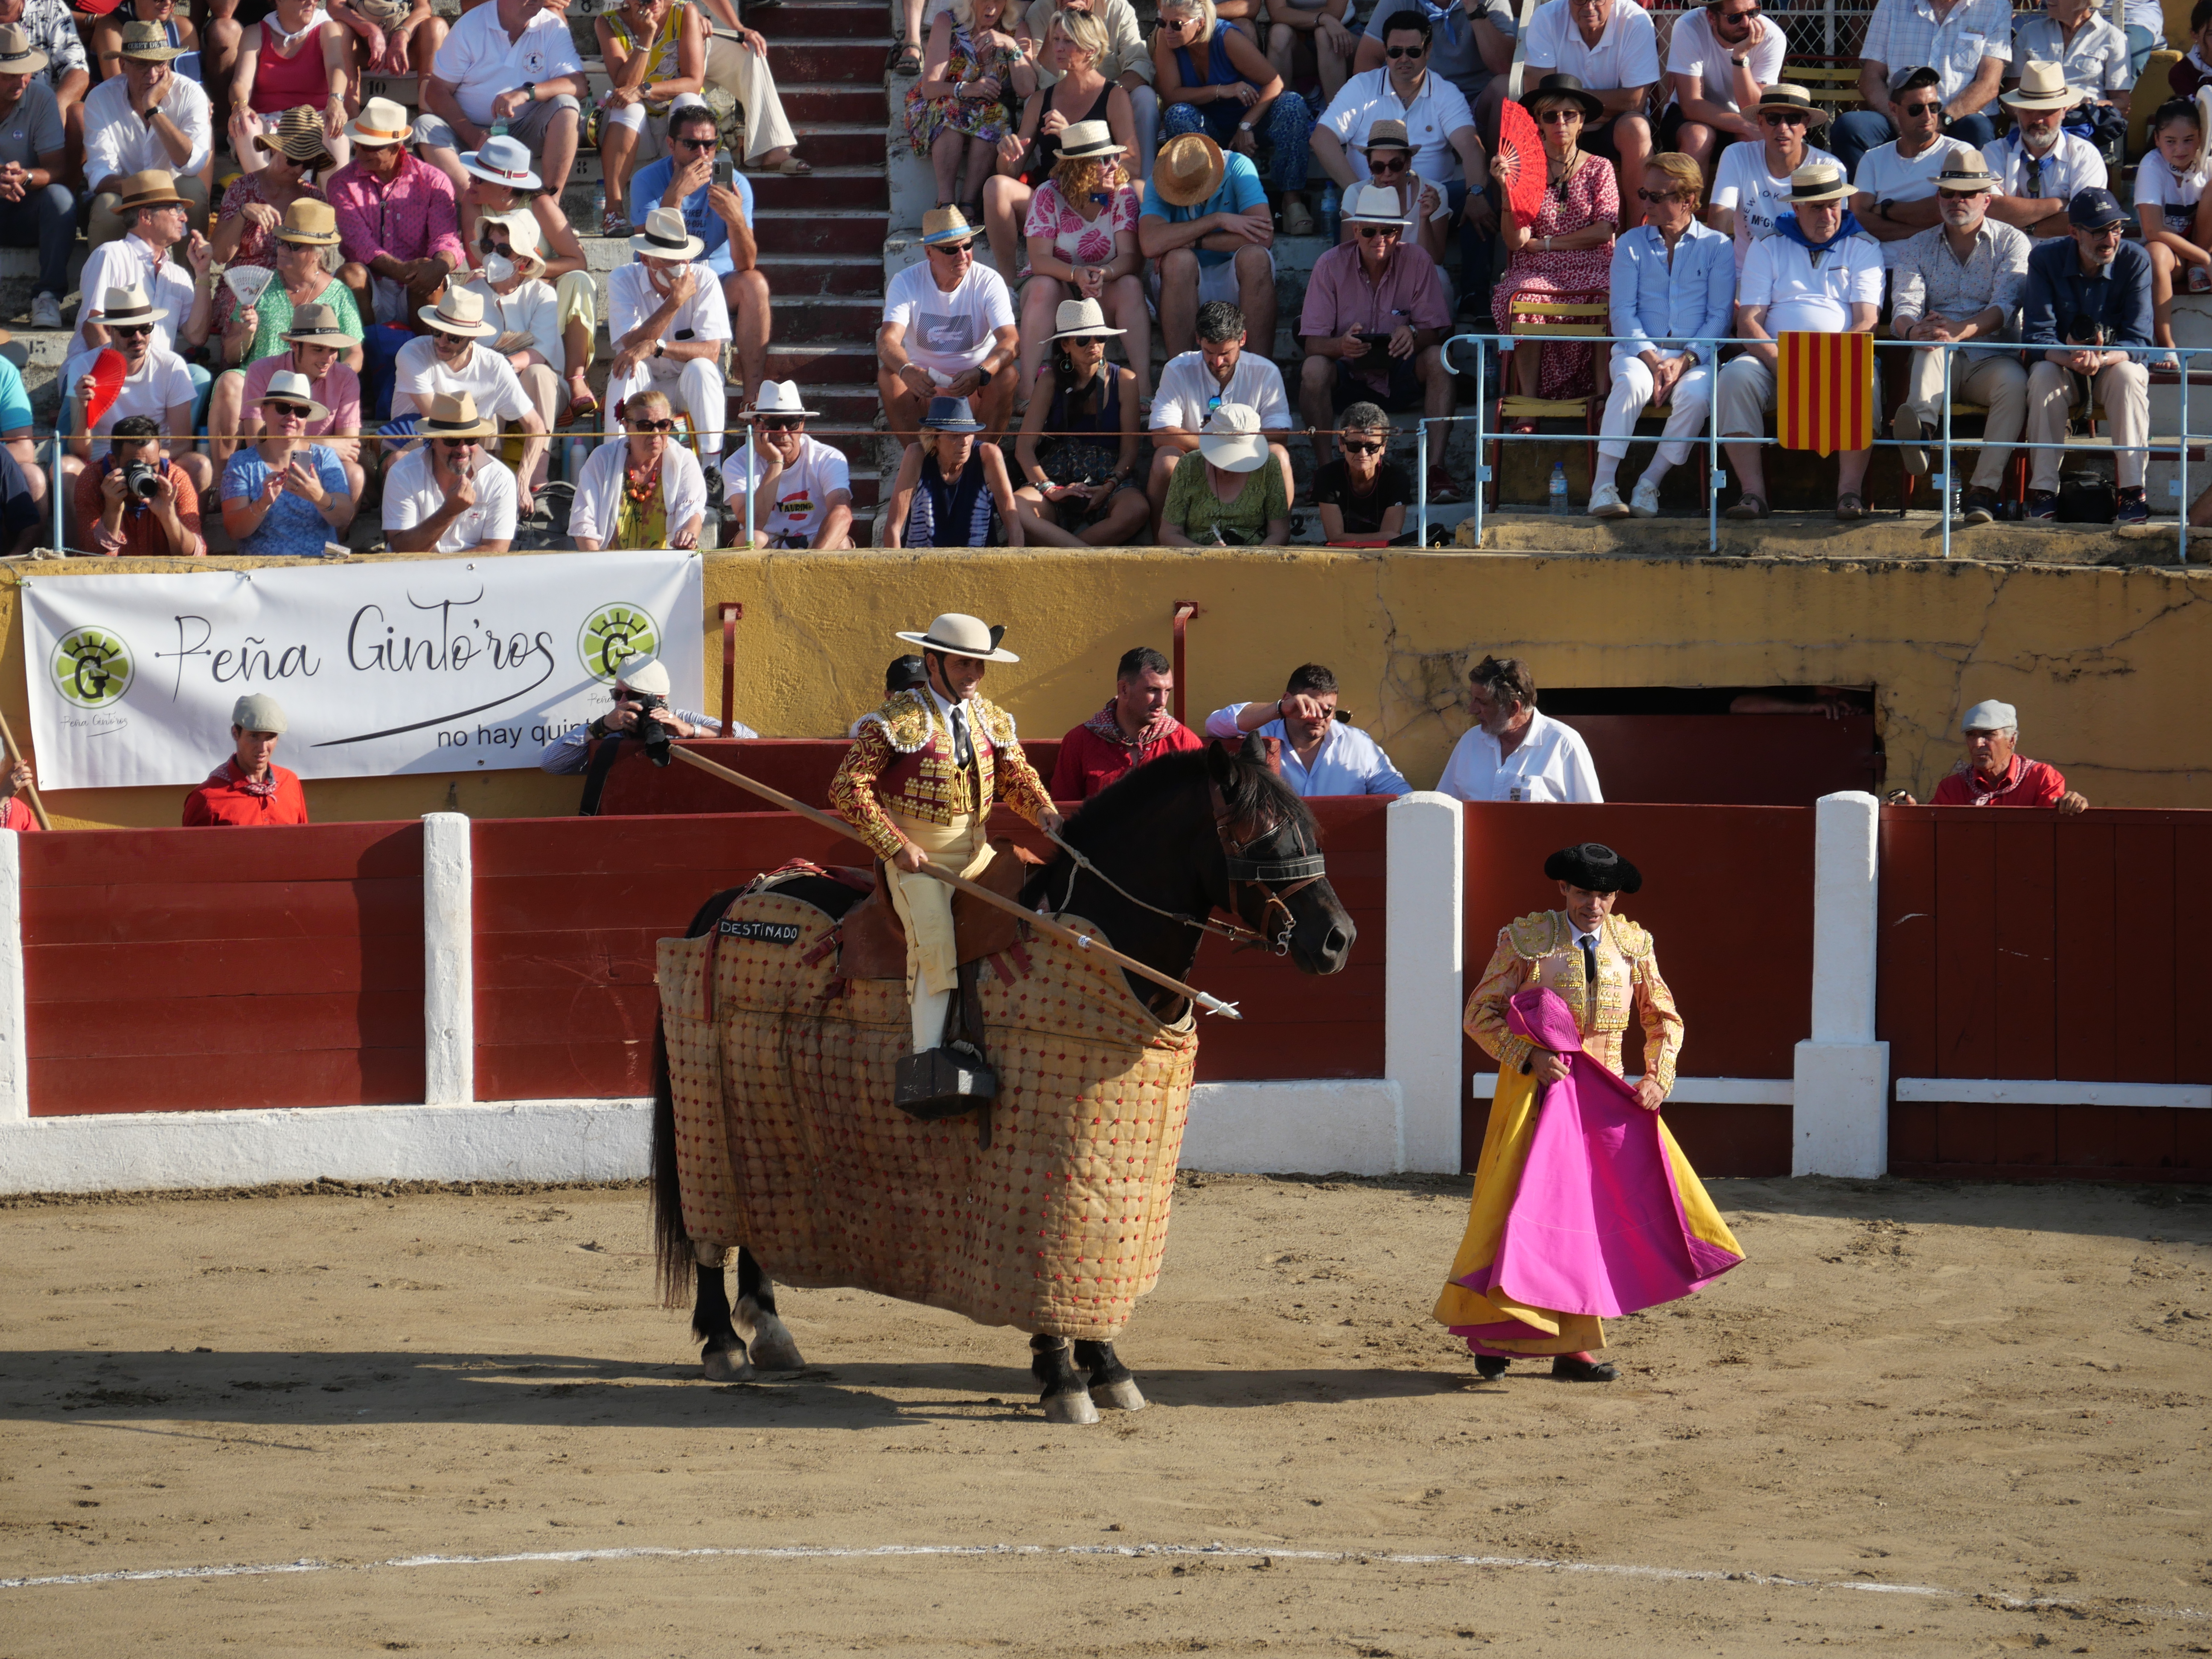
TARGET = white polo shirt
(411,496)
(2069,166)
(1552,763)
(1627,54)
(1437,111)
(1802,297)
(479,61)
(1693,49)
(1188,387)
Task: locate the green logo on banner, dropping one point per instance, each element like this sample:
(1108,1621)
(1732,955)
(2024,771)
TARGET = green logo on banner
(614,633)
(92,667)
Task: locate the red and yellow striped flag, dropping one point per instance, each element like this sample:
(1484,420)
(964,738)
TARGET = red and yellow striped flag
(1823,393)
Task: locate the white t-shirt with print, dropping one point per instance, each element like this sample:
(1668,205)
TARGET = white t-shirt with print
(417,376)
(1627,54)
(1187,386)
(411,496)
(802,492)
(950,333)
(161,383)
(2157,184)
(632,298)
(1743,185)
(479,61)
(1693,50)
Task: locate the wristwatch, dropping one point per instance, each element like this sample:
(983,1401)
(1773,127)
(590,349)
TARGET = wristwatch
(530,92)
(1243,126)
(1739,62)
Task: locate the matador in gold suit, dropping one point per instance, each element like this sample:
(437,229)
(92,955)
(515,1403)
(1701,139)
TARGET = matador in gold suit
(919,784)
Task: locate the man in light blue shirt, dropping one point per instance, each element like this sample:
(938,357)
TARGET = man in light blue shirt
(1321,755)
(719,216)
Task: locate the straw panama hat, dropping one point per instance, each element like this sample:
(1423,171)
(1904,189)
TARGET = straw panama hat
(959,636)
(453,415)
(1082,318)
(941,225)
(503,161)
(1082,141)
(150,41)
(458,311)
(1794,98)
(1232,440)
(17,55)
(1388,135)
(152,188)
(1374,204)
(291,386)
(1962,178)
(665,236)
(318,325)
(381,122)
(129,304)
(1819,181)
(310,224)
(1188,169)
(780,398)
(2042,86)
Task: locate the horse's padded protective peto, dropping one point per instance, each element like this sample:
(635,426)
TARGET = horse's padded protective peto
(786,1140)
(873,940)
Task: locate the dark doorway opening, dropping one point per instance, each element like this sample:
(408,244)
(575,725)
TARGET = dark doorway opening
(1731,745)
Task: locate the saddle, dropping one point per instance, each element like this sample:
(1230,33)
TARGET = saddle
(873,939)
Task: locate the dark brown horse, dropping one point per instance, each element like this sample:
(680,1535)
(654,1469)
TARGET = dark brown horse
(1162,850)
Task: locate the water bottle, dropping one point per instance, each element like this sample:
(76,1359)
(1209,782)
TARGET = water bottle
(1559,508)
(599,205)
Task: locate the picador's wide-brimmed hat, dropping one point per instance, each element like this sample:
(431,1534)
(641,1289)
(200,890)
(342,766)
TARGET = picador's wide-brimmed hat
(958,635)
(1594,867)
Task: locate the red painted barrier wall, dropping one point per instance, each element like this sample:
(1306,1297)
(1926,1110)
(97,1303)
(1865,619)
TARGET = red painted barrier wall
(1730,760)
(1728,895)
(2023,945)
(567,911)
(189,969)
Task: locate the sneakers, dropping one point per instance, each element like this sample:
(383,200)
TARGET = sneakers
(1980,505)
(2040,504)
(1644,503)
(1605,502)
(1906,430)
(46,311)
(2135,507)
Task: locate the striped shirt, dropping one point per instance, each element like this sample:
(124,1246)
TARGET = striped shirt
(1907,34)
(1931,278)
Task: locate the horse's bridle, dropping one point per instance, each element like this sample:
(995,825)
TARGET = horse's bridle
(1301,872)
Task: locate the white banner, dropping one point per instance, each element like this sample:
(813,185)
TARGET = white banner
(422,666)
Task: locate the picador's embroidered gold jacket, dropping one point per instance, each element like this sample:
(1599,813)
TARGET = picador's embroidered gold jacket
(1540,948)
(901,766)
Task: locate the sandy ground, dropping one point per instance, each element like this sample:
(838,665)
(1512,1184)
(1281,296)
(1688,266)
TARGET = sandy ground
(1995,1396)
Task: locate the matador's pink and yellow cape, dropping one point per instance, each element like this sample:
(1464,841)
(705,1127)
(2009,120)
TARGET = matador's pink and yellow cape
(1584,1207)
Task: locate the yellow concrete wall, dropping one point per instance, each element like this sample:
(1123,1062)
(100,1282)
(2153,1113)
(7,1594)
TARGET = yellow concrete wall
(2111,669)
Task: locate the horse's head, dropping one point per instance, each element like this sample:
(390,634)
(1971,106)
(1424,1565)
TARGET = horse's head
(1270,866)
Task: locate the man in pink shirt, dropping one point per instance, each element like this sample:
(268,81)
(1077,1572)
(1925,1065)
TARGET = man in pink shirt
(398,226)
(1374,325)
(317,346)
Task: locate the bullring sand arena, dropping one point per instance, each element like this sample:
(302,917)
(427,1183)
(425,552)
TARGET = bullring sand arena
(1924,1418)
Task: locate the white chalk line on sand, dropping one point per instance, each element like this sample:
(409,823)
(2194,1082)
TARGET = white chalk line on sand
(1215,1551)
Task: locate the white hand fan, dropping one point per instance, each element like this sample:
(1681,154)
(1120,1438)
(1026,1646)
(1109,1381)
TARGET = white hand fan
(2201,172)
(246,282)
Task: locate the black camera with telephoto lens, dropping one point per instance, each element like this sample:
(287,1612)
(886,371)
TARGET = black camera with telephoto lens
(140,480)
(648,731)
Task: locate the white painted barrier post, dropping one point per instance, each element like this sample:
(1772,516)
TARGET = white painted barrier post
(1425,841)
(449,1015)
(1840,1115)
(15,1038)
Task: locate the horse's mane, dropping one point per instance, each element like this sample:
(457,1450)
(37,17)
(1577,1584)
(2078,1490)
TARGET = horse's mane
(1130,802)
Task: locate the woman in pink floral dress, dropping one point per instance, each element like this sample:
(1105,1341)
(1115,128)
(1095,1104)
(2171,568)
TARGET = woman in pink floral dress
(1082,232)
(1567,253)
(974,77)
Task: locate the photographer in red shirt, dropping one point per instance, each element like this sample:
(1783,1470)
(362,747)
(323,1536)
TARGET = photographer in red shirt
(250,789)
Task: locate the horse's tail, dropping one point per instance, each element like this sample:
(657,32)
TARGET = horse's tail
(671,1244)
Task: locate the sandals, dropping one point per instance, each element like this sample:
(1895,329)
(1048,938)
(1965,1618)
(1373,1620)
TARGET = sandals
(1750,506)
(1298,218)
(794,167)
(1850,506)
(582,406)
(907,60)
(614,222)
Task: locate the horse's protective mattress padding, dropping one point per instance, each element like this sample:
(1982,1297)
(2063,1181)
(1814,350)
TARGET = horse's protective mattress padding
(787,1143)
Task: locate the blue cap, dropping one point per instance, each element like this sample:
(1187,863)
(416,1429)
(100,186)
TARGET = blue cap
(2094,209)
(950,415)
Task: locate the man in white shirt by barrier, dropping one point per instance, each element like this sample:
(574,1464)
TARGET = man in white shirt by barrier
(1320,754)
(1512,752)
(448,495)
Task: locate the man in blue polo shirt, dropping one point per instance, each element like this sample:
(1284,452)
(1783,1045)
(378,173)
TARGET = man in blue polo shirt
(719,217)
(1207,231)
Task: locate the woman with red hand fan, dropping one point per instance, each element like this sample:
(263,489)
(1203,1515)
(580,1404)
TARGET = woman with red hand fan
(1564,251)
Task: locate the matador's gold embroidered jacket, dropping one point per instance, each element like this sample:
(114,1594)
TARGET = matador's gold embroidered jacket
(1540,950)
(901,766)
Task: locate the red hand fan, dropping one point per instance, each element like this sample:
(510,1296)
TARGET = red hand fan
(107,372)
(1520,168)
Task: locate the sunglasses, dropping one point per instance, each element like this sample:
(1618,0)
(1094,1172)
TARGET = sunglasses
(1561,118)
(274,408)
(1664,196)
(643,427)
(131,331)
(1378,232)
(1379,167)
(1741,16)
(950,249)
(1099,340)
(459,443)
(1921,109)
(1360,449)
(1785,118)
(1405,51)
(697,143)
(769,423)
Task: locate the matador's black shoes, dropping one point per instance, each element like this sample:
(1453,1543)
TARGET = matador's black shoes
(1581,1368)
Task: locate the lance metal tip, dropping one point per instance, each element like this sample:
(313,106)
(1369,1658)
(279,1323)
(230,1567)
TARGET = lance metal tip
(1214,1005)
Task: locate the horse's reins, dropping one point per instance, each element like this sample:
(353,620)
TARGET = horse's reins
(1302,872)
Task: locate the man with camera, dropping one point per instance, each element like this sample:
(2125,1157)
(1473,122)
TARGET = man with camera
(133,503)
(641,719)
(2088,293)
(156,386)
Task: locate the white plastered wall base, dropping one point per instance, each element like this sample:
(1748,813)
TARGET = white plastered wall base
(1348,1126)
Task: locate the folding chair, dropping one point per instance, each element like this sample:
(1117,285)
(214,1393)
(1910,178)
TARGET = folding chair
(1534,318)
(1831,83)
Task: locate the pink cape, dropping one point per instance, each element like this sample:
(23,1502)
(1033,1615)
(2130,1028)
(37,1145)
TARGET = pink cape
(1597,1224)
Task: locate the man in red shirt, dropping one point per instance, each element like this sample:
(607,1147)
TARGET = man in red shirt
(14,814)
(1994,773)
(1134,727)
(249,789)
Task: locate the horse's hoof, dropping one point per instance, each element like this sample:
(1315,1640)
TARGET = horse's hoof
(773,1349)
(1074,1408)
(1122,1397)
(724,1366)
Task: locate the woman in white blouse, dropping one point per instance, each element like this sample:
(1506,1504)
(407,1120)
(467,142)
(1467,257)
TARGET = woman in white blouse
(639,490)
